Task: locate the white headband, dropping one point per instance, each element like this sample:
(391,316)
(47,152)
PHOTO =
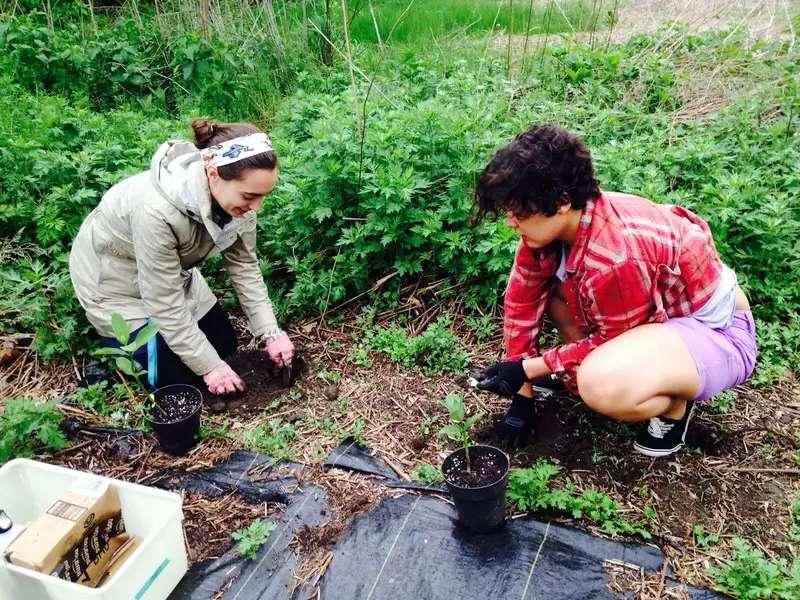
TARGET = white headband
(237,149)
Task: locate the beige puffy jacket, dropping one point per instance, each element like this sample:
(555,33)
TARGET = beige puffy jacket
(136,254)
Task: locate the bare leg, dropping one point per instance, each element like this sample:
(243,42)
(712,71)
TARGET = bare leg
(643,373)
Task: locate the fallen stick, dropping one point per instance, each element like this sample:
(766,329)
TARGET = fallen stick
(761,470)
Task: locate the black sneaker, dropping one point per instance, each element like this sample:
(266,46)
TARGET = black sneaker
(664,436)
(547,386)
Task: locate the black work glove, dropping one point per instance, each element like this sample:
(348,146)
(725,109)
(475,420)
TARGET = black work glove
(516,425)
(503,378)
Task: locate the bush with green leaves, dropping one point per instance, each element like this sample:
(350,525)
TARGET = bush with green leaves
(250,539)
(749,575)
(28,427)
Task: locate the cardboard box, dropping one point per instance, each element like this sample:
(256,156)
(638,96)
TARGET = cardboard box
(43,544)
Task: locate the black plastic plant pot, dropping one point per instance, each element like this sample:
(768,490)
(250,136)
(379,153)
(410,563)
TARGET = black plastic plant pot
(175,417)
(479,495)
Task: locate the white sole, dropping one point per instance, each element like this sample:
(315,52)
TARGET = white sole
(656,453)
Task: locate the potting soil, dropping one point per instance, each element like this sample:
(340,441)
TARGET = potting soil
(407,547)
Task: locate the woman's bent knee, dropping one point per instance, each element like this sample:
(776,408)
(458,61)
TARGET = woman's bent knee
(601,391)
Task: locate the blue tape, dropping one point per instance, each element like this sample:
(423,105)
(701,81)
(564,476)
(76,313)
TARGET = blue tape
(152,362)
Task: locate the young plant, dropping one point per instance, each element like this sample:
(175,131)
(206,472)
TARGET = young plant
(123,356)
(460,424)
(250,539)
(748,574)
(427,474)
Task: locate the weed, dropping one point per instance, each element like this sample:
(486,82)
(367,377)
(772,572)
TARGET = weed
(359,356)
(272,438)
(460,424)
(28,427)
(330,377)
(531,489)
(356,431)
(436,350)
(427,474)
(427,423)
(250,539)
(94,398)
(748,574)
(483,327)
(703,539)
(221,431)
(723,402)
(794,515)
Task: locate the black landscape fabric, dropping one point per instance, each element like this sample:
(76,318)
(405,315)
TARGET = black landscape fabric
(407,547)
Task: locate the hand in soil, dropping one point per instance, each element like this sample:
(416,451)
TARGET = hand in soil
(514,428)
(281,350)
(223,380)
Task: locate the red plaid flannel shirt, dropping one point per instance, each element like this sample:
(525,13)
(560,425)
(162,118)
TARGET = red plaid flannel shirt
(632,262)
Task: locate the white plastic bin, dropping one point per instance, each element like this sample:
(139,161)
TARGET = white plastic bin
(151,572)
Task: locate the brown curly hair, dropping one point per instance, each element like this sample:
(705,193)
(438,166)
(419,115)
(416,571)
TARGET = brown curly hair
(541,169)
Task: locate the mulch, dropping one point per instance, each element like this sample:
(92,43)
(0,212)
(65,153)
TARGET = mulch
(736,479)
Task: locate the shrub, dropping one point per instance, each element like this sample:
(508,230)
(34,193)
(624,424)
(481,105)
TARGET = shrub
(28,427)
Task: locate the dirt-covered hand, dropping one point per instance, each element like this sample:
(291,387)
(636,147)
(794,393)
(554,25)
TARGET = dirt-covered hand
(281,350)
(503,378)
(223,380)
(514,428)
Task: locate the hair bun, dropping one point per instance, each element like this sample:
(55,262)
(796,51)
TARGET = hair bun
(203,132)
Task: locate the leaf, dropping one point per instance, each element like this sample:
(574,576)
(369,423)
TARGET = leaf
(109,352)
(122,330)
(451,431)
(126,366)
(454,404)
(144,335)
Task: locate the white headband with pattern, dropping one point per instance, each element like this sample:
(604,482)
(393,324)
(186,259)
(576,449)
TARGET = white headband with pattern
(237,149)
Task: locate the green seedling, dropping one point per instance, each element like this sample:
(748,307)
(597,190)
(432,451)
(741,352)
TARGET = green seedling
(702,538)
(250,539)
(427,474)
(460,424)
(123,356)
(28,426)
(427,424)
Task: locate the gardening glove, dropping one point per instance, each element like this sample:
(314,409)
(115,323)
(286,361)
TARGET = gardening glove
(281,350)
(503,378)
(516,425)
(223,380)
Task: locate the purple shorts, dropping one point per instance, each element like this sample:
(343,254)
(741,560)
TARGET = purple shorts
(724,357)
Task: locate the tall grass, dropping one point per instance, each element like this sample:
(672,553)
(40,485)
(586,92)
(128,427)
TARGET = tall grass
(432,19)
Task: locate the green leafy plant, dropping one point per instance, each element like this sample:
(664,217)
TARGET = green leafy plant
(749,575)
(723,402)
(460,424)
(427,474)
(28,427)
(531,489)
(94,398)
(794,515)
(702,538)
(427,423)
(250,539)
(123,356)
(272,438)
(436,350)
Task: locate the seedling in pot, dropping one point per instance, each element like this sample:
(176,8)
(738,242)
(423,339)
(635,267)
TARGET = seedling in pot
(459,426)
(123,356)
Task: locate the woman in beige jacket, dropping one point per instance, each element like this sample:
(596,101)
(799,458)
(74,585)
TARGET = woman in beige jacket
(137,254)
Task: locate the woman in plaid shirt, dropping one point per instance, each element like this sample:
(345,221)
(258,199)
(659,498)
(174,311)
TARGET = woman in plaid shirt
(651,318)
